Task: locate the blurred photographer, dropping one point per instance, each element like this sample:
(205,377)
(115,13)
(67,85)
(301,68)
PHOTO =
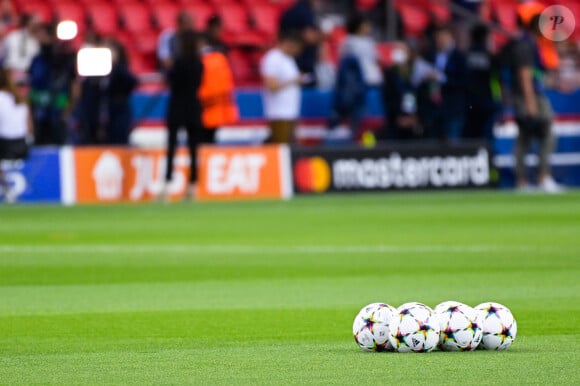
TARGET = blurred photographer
(52,77)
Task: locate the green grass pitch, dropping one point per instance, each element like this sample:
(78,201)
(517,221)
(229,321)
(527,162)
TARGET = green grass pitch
(266,292)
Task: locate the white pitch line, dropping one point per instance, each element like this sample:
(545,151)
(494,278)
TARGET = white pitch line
(249,249)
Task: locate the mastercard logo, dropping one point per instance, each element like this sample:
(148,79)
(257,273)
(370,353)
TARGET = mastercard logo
(312,175)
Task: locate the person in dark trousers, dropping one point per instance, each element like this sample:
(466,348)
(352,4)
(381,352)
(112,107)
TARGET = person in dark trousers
(120,85)
(482,70)
(533,112)
(184,108)
(301,18)
(449,109)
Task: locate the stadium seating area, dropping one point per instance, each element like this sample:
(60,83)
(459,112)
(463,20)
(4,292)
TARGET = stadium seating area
(138,23)
(250,25)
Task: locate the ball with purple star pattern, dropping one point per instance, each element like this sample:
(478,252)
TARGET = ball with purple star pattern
(371,327)
(499,326)
(414,329)
(460,326)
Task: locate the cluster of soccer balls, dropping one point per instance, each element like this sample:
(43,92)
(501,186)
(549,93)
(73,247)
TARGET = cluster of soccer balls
(451,326)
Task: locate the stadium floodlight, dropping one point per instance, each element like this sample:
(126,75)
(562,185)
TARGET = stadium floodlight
(94,61)
(67,30)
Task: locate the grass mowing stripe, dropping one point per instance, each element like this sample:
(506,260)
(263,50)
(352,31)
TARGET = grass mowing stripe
(291,249)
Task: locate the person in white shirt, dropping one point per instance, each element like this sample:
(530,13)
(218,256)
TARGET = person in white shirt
(360,44)
(15,126)
(282,91)
(21,45)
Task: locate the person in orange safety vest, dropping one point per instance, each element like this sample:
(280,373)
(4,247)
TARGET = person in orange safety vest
(216,93)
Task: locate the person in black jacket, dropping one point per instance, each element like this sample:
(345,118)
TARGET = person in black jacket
(449,108)
(184,108)
(120,85)
(482,68)
(401,98)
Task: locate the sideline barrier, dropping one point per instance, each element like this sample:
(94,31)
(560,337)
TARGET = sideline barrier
(238,173)
(400,167)
(88,175)
(38,179)
(121,174)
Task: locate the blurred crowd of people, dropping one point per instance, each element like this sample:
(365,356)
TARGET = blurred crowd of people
(439,87)
(65,107)
(450,84)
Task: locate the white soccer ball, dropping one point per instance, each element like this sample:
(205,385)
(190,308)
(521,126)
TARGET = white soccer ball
(415,328)
(371,327)
(460,326)
(498,325)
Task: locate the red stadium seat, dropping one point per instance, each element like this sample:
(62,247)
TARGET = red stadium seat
(164,14)
(146,41)
(243,70)
(91,2)
(366,5)
(505,12)
(135,16)
(70,11)
(415,19)
(265,18)
(440,10)
(103,17)
(236,25)
(42,10)
(140,63)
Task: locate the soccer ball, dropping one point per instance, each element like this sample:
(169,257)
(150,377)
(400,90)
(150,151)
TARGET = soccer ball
(415,328)
(498,325)
(460,326)
(371,327)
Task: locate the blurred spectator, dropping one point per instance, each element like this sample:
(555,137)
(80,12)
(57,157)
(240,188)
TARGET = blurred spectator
(482,69)
(401,94)
(462,25)
(301,17)
(349,96)
(168,46)
(449,97)
(533,111)
(358,69)
(282,80)
(51,76)
(184,107)
(15,125)
(567,78)
(22,45)
(119,86)
(90,107)
(216,92)
(213,34)
(360,45)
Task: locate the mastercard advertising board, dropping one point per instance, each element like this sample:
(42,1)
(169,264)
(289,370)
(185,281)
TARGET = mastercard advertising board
(241,173)
(402,167)
(120,174)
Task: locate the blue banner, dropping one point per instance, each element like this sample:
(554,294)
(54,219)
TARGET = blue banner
(36,179)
